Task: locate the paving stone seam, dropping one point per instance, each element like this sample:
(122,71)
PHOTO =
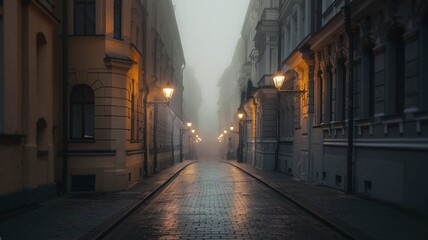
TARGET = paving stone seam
(109,225)
(339,226)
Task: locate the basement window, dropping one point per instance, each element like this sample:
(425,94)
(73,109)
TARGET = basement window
(338,180)
(367,187)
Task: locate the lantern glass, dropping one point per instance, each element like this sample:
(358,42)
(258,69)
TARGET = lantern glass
(168,92)
(278,79)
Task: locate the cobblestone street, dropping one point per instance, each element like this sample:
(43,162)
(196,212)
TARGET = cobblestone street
(213,200)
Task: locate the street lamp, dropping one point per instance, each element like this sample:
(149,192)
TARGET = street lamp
(240,116)
(278,80)
(168,92)
(242,133)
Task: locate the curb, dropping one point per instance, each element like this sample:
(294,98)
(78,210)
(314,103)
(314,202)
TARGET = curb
(340,227)
(110,224)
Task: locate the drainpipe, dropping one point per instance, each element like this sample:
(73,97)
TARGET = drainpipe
(145,94)
(255,133)
(278,95)
(64,96)
(155,141)
(349,161)
(145,150)
(278,129)
(172,139)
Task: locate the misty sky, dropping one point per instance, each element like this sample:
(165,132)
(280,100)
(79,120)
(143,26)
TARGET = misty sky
(209,31)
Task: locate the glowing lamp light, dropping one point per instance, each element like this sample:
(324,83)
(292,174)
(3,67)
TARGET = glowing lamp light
(225,131)
(168,91)
(189,124)
(278,79)
(240,115)
(231,128)
(193,130)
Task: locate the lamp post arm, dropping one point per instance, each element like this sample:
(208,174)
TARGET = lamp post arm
(296,93)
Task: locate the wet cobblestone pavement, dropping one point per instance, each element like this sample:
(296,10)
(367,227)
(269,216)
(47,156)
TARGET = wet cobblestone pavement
(213,200)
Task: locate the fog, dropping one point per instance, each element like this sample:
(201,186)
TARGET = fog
(209,31)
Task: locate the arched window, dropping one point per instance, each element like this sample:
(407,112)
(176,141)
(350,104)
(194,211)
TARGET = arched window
(42,66)
(82,112)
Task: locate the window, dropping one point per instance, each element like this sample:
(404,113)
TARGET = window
(42,66)
(84,17)
(328,95)
(132,112)
(82,112)
(42,137)
(395,72)
(321,97)
(341,90)
(368,83)
(1,69)
(423,64)
(118,19)
(326,4)
(302,24)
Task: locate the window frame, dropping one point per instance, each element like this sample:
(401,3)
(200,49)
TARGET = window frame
(86,10)
(84,102)
(117,19)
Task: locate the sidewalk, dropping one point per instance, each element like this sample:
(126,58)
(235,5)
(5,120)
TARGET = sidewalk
(358,217)
(82,215)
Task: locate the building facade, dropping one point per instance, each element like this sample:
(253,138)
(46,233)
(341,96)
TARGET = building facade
(81,95)
(357,123)
(28,120)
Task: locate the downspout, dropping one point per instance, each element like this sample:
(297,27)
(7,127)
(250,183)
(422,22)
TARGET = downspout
(278,129)
(145,95)
(182,90)
(155,144)
(2,120)
(155,110)
(65,96)
(278,96)
(349,161)
(255,132)
(310,121)
(172,139)
(145,150)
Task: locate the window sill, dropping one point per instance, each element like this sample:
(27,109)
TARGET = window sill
(92,140)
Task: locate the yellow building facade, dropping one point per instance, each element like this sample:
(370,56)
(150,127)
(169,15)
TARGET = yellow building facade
(81,105)
(28,120)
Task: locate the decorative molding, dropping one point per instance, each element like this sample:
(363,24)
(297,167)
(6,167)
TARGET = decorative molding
(11,139)
(92,153)
(122,63)
(397,143)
